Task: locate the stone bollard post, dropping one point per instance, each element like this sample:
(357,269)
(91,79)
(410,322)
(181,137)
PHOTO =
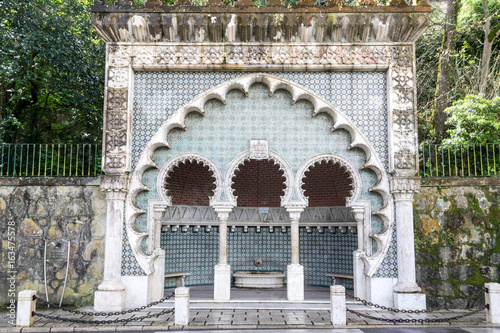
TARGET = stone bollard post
(26,305)
(492,297)
(182,306)
(338,313)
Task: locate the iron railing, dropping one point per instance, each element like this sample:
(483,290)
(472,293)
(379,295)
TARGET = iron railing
(470,160)
(50,160)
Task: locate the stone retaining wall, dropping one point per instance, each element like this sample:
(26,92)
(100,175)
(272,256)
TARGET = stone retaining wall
(457,223)
(56,212)
(457,238)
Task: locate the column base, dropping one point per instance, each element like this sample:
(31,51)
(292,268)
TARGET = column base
(181,306)
(409,301)
(295,282)
(222,283)
(359,275)
(109,300)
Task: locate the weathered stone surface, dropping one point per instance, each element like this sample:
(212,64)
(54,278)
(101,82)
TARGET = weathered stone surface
(30,228)
(457,233)
(67,213)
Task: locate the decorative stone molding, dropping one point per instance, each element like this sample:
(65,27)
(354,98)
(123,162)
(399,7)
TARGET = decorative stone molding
(403,145)
(179,159)
(116,119)
(245,156)
(403,188)
(115,187)
(336,159)
(269,24)
(291,196)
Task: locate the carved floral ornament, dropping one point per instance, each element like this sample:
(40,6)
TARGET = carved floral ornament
(224,197)
(151,56)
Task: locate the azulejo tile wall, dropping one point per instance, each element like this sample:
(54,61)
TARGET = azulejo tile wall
(320,253)
(361,96)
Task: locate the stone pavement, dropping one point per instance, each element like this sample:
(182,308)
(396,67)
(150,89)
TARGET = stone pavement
(235,319)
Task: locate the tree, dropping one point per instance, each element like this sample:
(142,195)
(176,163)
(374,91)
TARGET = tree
(443,88)
(51,72)
(489,37)
(474,120)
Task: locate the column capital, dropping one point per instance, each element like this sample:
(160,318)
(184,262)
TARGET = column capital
(223,211)
(115,186)
(358,212)
(403,188)
(294,210)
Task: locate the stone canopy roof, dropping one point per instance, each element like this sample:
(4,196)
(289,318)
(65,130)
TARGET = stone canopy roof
(273,23)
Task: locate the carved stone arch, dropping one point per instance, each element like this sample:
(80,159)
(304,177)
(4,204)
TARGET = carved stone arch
(373,261)
(176,161)
(245,156)
(243,83)
(336,159)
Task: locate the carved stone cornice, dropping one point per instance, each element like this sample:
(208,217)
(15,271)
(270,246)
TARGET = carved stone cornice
(115,186)
(215,24)
(403,188)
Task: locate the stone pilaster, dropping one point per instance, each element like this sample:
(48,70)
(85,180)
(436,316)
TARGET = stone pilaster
(222,277)
(111,292)
(407,292)
(358,265)
(295,271)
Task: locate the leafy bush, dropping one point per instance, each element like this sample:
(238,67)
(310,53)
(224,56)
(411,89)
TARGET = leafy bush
(474,120)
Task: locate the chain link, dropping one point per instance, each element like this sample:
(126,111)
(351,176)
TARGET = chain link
(104,314)
(382,307)
(114,321)
(416,320)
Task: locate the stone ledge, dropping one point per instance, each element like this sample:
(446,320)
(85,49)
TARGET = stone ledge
(460,181)
(50,181)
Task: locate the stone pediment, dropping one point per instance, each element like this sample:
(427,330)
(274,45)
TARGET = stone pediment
(249,24)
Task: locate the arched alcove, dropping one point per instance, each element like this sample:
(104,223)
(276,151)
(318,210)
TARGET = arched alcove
(258,183)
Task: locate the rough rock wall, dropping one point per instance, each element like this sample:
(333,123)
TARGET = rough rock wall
(59,213)
(457,238)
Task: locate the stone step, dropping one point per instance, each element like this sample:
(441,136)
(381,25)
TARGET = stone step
(261,305)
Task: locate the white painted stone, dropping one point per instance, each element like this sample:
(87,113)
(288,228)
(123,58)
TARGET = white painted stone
(182,306)
(158,277)
(380,290)
(222,282)
(337,298)
(25,307)
(492,297)
(111,293)
(403,189)
(109,300)
(295,282)
(409,301)
(137,290)
(359,275)
(258,279)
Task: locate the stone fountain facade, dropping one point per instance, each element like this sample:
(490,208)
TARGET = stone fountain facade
(298,86)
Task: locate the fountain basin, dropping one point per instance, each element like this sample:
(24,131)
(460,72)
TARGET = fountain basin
(258,279)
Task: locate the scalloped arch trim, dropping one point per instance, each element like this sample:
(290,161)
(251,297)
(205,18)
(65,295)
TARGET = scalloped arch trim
(224,195)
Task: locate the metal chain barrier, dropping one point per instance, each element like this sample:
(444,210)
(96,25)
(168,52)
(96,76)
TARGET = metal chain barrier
(103,313)
(382,307)
(117,320)
(415,320)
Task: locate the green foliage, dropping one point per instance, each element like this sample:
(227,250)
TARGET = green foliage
(466,59)
(474,120)
(51,72)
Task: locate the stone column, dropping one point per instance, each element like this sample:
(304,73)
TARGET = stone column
(295,271)
(358,267)
(111,292)
(406,293)
(222,278)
